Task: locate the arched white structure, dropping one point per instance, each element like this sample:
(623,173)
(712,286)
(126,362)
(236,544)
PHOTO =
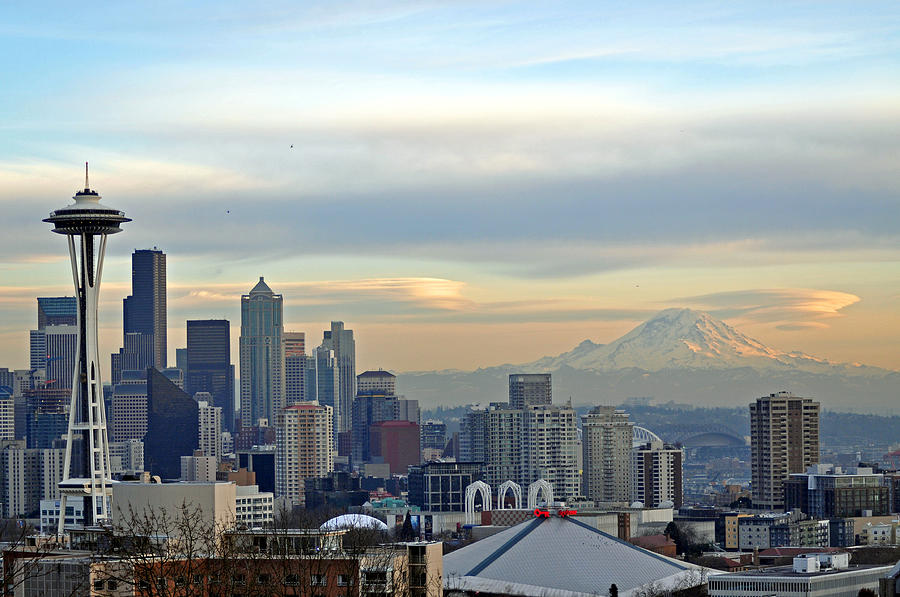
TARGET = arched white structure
(477,487)
(539,487)
(517,495)
(642,435)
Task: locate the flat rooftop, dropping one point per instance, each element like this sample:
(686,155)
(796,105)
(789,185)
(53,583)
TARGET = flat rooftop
(788,571)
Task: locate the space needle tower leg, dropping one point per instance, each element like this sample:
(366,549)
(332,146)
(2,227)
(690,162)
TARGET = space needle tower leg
(91,222)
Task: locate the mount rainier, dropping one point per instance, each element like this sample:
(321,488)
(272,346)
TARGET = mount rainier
(681,355)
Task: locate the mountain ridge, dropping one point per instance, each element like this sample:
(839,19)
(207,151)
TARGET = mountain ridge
(678,354)
(689,339)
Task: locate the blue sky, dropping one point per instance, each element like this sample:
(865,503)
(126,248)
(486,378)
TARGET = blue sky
(470,183)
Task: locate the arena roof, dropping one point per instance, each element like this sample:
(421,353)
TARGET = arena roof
(561,557)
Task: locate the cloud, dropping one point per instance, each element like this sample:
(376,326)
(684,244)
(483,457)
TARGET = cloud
(792,309)
(401,300)
(424,293)
(801,327)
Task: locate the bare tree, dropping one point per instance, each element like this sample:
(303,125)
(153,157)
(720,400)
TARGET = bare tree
(183,553)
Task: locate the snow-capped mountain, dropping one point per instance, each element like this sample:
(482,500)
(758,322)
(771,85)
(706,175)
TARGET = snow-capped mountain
(688,339)
(681,355)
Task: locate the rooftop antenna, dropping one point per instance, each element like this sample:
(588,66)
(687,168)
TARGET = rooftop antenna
(87,187)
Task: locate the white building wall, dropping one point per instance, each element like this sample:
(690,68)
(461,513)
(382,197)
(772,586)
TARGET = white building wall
(210,430)
(253,507)
(7,419)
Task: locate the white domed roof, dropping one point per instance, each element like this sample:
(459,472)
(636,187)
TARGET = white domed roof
(353,521)
(637,504)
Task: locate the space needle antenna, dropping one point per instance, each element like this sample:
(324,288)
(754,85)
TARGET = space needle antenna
(86,475)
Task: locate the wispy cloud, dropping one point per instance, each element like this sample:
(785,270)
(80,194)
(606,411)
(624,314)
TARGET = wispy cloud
(429,293)
(792,309)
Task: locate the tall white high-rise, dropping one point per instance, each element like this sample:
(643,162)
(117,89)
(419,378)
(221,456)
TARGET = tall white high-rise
(503,445)
(606,442)
(304,448)
(549,443)
(210,426)
(7,417)
(91,222)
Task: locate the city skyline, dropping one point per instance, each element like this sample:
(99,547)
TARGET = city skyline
(470,185)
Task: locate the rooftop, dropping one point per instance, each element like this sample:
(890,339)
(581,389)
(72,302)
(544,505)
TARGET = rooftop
(789,571)
(379,373)
(798,551)
(261,287)
(560,556)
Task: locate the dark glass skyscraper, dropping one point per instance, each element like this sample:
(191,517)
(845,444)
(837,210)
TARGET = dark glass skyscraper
(145,309)
(172,426)
(57,310)
(209,367)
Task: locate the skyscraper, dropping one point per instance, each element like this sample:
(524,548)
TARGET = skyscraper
(328,382)
(434,435)
(209,367)
(294,343)
(395,443)
(784,439)
(47,417)
(294,367)
(375,404)
(472,435)
(128,419)
(54,343)
(145,308)
(376,382)
(172,425)
(304,448)
(606,442)
(181,360)
(262,355)
(657,474)
(549,444)
(527,389)
(89,221)
(503,444)
(54,349)
(7,414)
(209,426)
(344,346)
(57,310)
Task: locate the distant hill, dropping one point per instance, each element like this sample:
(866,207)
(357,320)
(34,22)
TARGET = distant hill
(679,354)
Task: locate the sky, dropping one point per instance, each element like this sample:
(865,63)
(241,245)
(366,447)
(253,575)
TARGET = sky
(466,184)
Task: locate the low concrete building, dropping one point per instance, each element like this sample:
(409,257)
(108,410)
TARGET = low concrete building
(754,532)
(821,574)
(214,501)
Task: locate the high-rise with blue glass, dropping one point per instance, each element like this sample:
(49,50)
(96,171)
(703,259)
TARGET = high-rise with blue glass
(262,355)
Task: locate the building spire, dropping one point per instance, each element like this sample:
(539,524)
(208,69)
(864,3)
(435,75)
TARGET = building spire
(87,187)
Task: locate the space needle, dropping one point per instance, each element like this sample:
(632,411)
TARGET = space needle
(87,480)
